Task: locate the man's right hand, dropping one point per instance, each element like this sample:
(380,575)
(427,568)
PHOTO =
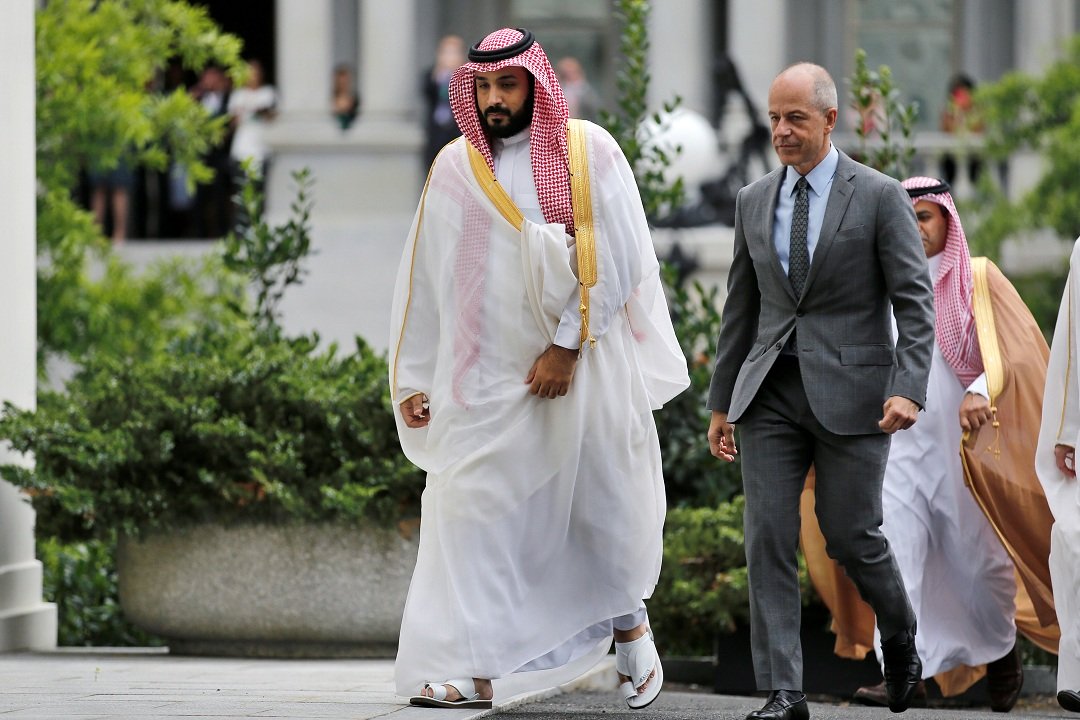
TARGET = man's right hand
(722,437)
(1065,457)
(415,411)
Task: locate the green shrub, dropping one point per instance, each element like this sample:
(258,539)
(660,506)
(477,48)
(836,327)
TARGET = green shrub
(703,590)
(81,579)
(219,430)
(876,99)
(703,587)
(692,475)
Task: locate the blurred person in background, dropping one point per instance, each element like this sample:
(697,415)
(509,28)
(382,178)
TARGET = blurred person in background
(345,100)
(439,125)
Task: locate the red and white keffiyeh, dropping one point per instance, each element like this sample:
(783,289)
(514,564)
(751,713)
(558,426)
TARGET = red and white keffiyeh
(954,324)
(549,152)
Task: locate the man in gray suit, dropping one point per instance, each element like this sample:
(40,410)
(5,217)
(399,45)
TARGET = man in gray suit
(807,367)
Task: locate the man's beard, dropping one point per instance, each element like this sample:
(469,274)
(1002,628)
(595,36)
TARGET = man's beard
(515,123)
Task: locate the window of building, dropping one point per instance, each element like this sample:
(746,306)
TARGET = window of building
(917,40)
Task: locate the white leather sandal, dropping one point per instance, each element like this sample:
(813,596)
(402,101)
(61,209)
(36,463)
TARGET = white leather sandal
(465,687)
(639,661)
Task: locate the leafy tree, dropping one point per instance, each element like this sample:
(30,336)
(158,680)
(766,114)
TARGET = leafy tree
(96,64)
(692,475)
(1024,112)
(627,125)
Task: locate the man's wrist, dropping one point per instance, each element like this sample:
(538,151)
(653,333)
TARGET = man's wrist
(569,352)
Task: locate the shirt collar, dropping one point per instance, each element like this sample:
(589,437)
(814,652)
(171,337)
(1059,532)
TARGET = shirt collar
(819,177)
(514,139)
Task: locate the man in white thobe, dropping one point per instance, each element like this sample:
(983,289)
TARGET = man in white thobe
(526,378)
(1056,465)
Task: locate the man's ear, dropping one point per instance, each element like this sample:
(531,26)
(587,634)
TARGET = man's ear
(830,119)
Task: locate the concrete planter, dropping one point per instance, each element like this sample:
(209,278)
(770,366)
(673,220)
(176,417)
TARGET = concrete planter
(269,590)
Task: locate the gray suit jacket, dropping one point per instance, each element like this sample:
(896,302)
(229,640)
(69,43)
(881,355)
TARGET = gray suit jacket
(868,254)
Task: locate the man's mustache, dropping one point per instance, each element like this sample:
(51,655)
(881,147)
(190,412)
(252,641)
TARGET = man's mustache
(502,109)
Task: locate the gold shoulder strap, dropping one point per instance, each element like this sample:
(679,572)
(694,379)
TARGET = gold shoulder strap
(984,325)
(491,187)
(581,197)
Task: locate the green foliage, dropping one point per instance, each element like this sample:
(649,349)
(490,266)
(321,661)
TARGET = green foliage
(1041,292)
(876,99)
(1040,114)
(703,589)
(627,125)
(692,475)
(95,61)
(96,64)
(270,257)
(81,579)
(220,429)
(129,314)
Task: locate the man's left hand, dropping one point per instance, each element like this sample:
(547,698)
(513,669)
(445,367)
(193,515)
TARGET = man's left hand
(550,375)
(974,412)
(899,413)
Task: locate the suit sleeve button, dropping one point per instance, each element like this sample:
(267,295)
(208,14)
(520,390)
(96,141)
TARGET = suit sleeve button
(779,345)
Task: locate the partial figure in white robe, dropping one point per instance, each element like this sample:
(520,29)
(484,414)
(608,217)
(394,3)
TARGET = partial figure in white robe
(1056,466)
(541,522)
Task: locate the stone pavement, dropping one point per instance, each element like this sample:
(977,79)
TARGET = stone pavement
(675,705)
(100,684)
(103,684)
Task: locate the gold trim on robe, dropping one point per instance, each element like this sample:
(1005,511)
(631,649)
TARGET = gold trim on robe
(495,192)
(581,199)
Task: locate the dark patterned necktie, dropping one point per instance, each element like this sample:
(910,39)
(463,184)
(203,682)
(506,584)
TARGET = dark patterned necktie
(798,255)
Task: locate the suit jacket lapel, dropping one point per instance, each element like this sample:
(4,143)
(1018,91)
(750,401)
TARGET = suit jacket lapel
(772,196)
(839,198)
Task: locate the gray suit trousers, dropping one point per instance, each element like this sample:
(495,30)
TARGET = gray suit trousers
(779,440)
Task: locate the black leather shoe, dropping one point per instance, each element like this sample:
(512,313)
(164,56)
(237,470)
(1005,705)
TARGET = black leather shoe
(1004,678)
(1070,700)
(783,705)
(876,695)
(903,669)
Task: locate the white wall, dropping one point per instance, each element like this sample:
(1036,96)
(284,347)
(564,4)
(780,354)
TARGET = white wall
(25,622)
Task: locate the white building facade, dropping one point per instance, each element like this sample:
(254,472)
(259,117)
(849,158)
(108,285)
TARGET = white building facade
(375,166)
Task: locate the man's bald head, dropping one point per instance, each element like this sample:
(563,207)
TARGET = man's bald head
(823,92)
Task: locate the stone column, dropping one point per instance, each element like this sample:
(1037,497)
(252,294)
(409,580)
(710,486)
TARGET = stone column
(25,621)
(1041,31)
(681,55)
(304,60)
(373,167)
(756,45)
(389,81)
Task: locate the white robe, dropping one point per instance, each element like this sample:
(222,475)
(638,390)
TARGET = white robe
(541,519)
(1061,425)
(959,577)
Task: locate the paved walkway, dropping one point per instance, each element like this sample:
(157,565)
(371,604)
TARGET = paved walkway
(94,684)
